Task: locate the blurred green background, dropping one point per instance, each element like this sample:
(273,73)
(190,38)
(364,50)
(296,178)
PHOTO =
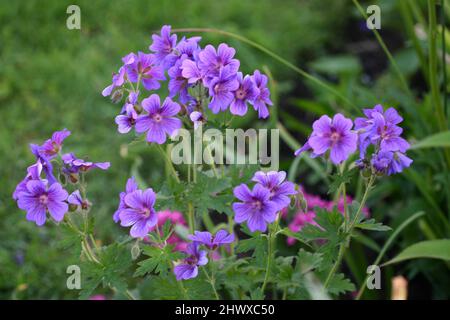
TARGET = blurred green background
(51,78)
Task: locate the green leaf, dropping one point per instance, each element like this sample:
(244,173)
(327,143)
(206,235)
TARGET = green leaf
(434,249)
(441,139)
(259,246)
(158,261)
(339,284)
(339,64)
(307,261)
(338,179)
(372,225)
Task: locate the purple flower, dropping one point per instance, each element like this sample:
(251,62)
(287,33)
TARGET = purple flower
(263,98)
(160,119)
(47,166)
(33,173)
(211,62)
(197,118)
(380,129)
(39,198)
(222,88)
(130,187)
(139,212)
(188,47)
(246,92)
(75,165)
(125,122)
(144,67)
(188,269)
(119,78)
(280,190)
(177,83)
(52,146)
(334,135)
(255,208)
(388,162)
(222,237)
(163,47)
(191,72)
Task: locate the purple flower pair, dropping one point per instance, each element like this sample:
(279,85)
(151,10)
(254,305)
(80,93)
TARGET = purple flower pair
(188,268)
(260,205)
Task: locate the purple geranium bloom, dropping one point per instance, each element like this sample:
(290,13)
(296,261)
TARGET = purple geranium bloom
(280,190)
(211,62)
(177,83)
(163,46)
(190,71)
(39,198)
(33,173)
(380,128)
(139,213)
(145,68)
(222,237)
(188,269)
(388,162)
(125,122)
(221,89)
(52,146)
(246,92)
(119,78)
(130,187)
(263,98)
(47,166)
(197,118)
(75,165)
(255,208)
(334,135)
(160,119)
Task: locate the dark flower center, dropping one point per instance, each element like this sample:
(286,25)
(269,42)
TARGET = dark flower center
(43,199)
(191,260)
(146,212)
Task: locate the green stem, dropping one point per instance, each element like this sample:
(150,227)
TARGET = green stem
(346,242)
(276,57)
(270,251)
(169,163)
(212,283)
(191,219)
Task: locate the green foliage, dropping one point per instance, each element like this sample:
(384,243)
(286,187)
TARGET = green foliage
(159,260)
(432,249)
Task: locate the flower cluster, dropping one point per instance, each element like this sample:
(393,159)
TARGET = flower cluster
(40,192)
(188,268)
(378,128)
(196,77)
(260,205)
(136,209)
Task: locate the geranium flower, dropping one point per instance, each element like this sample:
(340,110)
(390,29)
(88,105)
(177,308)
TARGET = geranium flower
(188,269)
(255,208)
(334,135)
(245,93)
(280,190)
(39,198)
(221,238)
(160,119)
(139,212)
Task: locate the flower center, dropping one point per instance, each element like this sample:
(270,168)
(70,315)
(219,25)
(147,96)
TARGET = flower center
(43,199)
(334,137)
(157,117)
(240,94)
(257,204)
(146,212)
(191,260)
